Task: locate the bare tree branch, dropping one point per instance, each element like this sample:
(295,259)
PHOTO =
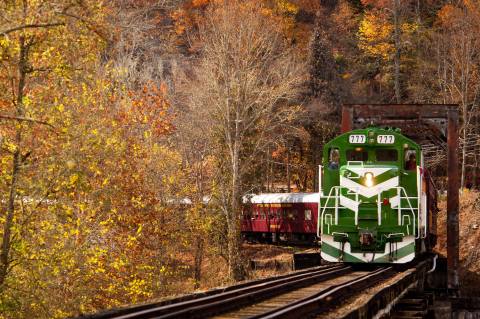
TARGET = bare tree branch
(32,26)
(25,119)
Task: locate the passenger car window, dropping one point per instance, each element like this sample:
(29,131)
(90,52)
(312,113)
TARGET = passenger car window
(291,214)
(271,213)
(386,155)
(357,155)
(263,213)
(308,214)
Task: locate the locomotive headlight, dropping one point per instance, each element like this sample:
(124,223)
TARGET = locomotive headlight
(368,179)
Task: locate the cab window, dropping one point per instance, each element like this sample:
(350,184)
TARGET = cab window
(411,160)
(357,155)
(386,155)
(334,158)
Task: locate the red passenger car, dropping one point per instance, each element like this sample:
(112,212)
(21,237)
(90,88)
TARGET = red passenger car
(285,217)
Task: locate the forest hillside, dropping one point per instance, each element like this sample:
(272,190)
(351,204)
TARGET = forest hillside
(130,130)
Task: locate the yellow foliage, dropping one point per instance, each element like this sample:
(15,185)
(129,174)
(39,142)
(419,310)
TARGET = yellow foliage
(73,179)
(375,36)
(286,7)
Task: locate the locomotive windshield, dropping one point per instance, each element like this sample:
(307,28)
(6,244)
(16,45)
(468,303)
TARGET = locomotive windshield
(357,155)
(386,155)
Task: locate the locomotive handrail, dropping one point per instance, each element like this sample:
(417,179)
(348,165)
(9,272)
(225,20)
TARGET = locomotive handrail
(320,229)
(336,197)
(328,224)
(379,207)
(411,209)
(420,171)
(394,234)
(409,222)
(419,192)
(320,182)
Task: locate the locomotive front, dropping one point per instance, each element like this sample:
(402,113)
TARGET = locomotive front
(372,206)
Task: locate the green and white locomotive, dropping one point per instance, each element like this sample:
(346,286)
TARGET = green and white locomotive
(377,203)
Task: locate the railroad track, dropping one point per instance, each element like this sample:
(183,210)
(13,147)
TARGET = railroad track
(296,295)
(312,300)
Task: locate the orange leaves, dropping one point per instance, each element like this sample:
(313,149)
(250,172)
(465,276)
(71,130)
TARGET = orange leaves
(448,14)
(451,16)
(377,3)
(150,110)
(278,153)
(191,15)
(200,3)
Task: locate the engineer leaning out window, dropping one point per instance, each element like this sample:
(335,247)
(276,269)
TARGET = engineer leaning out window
(334,158)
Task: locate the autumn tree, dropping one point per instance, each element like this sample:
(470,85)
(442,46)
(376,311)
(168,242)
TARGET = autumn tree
(457,49)
(322,67)
(245,77)
(387,37)
(87,178)
(42,45)
(196,149)
(32,36)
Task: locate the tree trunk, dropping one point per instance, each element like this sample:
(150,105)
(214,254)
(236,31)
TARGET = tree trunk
(464,154)
(7,228)
(268,170)
(396,20)
(198,262)
(289,185)
(475,172)
(235,266)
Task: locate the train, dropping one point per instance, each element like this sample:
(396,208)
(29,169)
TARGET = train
(376,202)
(281,217)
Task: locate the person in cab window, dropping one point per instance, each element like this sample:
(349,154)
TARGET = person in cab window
(334,158)
(411,163)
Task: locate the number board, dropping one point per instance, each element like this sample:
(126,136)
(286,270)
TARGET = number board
(386,139)
(357,139)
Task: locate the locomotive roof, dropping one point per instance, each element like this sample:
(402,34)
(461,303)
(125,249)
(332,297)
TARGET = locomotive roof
(343,138)
(275,198)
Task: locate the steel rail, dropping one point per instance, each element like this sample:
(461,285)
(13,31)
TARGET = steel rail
(223,302)
(115,313)
(327,297)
